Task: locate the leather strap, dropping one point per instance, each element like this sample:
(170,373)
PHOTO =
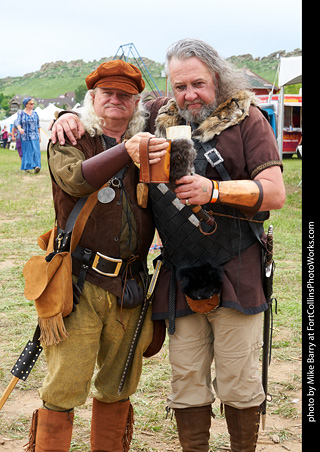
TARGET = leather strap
(215,159)
(82,219)
(76,222)
(144,160)
(70,223)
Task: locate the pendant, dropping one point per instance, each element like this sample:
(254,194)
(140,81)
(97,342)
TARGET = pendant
(106,195)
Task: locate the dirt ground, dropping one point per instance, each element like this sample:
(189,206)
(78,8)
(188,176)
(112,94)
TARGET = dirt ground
(281,433)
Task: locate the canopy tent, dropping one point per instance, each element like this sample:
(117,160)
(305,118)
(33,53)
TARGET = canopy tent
(290,71)
(290,74)
(8,122)
(46,116)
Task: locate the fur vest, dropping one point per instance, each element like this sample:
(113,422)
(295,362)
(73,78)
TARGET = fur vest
(229,113)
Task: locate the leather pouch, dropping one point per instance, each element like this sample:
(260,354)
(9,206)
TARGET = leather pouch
(202,286)
(48,281)
(132,294)
(48,278)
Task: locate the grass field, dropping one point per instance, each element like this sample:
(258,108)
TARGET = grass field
(27,211)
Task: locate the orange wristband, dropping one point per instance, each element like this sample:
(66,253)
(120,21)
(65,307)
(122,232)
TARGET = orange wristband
(215,191)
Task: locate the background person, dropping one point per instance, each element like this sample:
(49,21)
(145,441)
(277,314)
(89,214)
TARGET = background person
(17,138)
(5,136)
(28,125)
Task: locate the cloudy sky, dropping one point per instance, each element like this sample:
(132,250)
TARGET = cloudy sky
(34,32)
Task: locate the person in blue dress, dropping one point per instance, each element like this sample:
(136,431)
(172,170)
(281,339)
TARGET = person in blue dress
(28,125)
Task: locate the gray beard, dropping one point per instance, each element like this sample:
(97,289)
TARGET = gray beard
(205,111)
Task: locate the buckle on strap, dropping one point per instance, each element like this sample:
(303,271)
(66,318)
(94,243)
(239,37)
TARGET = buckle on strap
(117,262)
(213,161)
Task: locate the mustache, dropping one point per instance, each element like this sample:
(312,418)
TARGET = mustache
(187,103)
(108,105)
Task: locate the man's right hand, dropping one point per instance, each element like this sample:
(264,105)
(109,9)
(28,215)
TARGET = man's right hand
(70,125)
(157,147)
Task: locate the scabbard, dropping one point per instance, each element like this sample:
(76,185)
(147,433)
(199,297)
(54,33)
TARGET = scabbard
(139,326)
(22,368)
(268,290)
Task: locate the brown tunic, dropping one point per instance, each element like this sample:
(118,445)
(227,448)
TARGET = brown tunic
(116,229)
(247,149)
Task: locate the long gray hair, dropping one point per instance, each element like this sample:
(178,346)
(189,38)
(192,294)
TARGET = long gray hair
(92,123)
(230,79)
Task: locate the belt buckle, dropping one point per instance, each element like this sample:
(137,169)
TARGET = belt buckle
(110,259)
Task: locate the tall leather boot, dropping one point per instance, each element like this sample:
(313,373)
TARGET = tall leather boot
(194,428)
(111,426)
(50,431)
(243,427)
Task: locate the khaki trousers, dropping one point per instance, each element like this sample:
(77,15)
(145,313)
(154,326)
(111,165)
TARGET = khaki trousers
(233,341)
(96,337)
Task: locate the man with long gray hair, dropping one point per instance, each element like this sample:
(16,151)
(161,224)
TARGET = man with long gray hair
(109,266)
(210,290)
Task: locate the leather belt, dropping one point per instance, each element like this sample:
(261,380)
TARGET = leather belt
(106,265)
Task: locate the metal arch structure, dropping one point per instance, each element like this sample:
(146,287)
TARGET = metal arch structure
(126,51)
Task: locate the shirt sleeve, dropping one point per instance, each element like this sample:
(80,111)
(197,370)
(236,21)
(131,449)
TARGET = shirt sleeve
(260,145)
(19,118)
(65,165)
(37,120)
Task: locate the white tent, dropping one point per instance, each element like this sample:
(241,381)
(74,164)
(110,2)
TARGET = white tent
(46,116)
(8,121)
(290,73)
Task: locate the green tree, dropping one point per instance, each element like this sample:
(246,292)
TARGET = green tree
(80,92)
(4,102)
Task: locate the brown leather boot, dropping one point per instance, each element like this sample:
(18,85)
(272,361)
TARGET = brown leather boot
(243,427)
(111,426)
(194,428)
(50,431)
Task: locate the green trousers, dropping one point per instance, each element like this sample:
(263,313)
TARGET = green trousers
(100,334)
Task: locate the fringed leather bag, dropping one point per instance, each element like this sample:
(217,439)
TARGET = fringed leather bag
(48,278)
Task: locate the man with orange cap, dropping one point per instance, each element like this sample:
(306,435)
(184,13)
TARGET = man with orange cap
(109,266)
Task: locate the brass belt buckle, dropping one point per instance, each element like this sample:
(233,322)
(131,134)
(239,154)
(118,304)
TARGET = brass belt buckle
(110,259)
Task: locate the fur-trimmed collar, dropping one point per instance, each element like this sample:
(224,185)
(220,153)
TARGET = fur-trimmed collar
(229,113)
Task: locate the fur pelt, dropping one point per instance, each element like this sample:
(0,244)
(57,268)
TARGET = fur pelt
(182,156)
(229,113)
(200,282)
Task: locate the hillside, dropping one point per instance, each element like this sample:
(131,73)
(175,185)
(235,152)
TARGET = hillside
(59,77)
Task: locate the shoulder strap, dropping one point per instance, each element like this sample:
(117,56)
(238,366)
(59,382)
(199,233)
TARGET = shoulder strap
(78,219)
(216,160)
(83,217)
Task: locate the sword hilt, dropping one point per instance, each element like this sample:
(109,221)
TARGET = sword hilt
(269,255)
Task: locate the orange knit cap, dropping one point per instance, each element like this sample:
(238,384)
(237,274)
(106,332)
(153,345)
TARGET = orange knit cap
(116,74)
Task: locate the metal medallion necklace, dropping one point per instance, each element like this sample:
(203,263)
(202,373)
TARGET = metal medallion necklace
(107,194)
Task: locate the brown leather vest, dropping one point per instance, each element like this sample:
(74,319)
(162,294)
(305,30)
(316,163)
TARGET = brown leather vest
(111,227)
